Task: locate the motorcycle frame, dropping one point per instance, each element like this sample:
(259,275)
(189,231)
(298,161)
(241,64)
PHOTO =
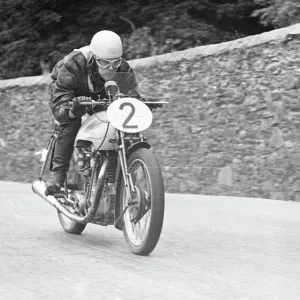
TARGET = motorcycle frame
(97,180)
(40,188)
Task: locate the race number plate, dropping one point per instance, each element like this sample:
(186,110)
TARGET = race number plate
(129,115)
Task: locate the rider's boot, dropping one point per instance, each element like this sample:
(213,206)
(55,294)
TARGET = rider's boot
(54,185)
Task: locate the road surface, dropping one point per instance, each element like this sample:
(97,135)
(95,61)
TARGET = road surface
(210,248)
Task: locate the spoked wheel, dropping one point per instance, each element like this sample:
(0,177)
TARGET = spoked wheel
(67,224)
(143,220)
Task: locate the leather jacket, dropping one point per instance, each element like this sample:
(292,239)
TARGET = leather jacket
(70,79)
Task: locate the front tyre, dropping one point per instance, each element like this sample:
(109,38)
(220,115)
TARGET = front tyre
(143,221)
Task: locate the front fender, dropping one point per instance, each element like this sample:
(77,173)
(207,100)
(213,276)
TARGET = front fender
(136,146)
(118,178)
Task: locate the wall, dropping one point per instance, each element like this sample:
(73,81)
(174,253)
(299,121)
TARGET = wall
(231,128)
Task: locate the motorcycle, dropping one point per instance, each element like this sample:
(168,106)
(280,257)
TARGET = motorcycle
(113,178)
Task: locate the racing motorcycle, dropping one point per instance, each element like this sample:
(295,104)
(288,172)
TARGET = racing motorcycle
(113,178)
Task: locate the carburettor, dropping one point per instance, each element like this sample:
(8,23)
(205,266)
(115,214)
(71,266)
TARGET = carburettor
(84,154)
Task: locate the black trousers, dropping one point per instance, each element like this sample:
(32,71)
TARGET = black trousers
(64,146)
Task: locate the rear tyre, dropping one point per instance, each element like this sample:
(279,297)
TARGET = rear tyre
(72,178)
(148,213)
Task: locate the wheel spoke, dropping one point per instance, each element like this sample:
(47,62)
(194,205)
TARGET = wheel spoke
(148,214)
(141,180)
(143,183)
(135,231)
(137,175)
(140,228)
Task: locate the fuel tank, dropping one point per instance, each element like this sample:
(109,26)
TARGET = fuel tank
(93,129)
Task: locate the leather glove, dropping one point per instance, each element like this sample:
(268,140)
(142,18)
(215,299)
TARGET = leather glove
(134,94)
(151,99)
(95,109)
(77,110)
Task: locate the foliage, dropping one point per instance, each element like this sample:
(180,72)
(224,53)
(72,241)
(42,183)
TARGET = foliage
(278,13)
(35,34)
(166,26)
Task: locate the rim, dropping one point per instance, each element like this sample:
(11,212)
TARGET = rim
(137,233)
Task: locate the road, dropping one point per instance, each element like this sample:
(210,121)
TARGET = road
(210,248)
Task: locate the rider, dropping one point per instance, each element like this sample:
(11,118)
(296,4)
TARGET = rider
(83,73)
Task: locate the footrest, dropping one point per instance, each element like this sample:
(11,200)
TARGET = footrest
(60,195)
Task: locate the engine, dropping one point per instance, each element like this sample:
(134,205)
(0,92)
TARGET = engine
(84,162)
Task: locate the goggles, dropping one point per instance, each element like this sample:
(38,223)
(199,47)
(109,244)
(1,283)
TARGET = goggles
(105,63)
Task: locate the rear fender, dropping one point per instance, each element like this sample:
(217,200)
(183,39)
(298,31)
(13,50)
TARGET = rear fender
(118,178)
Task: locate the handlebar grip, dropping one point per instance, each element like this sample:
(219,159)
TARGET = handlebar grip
(88,102)
(80,100)
(150,99)
(152,102)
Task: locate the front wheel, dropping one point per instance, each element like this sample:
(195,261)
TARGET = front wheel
(142,223)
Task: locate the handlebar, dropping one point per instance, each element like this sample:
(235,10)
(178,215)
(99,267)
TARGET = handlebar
(155,102)
(88,102)
(103,102)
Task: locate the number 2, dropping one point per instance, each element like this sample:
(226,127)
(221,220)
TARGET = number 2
(125,126)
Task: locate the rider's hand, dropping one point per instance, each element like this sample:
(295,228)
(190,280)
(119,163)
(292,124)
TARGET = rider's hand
(133,94)
(77,110)
(152,99)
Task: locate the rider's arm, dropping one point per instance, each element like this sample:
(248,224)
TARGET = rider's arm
(61,94)
(129,85)
(63,90)
(127,81)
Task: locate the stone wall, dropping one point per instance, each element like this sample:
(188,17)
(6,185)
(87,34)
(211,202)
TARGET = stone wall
(231,128)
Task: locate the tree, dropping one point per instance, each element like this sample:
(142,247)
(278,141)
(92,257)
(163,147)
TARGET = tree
(173,25)
(278,13)
(25,27)
(36,34)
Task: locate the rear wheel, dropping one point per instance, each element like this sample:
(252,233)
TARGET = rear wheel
(142,222)
(72,179)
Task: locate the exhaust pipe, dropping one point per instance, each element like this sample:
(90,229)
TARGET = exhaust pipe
(39,188)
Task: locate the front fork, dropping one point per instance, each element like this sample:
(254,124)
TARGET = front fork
(128,184)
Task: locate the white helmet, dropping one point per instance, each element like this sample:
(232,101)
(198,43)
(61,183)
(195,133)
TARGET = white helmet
(106,44)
